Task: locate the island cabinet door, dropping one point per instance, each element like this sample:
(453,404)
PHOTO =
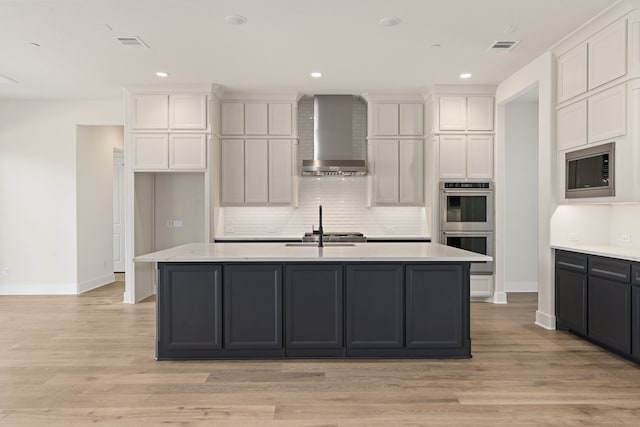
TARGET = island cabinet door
(374,307)
(189,309)
(437,306)
(252,307)
(635,325)
(313,307)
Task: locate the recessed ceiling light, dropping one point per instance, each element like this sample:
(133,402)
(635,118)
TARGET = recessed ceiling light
(235,19)
(389,21)
(162,74)
(316,75)
(465,75)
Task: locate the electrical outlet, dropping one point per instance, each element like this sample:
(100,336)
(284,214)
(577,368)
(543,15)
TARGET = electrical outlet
(271,230)
(228,229)
(573,237)
(6,272)
(625,238)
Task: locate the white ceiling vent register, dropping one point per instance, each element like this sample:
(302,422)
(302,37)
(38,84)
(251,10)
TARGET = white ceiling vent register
(503,45)
(133,41)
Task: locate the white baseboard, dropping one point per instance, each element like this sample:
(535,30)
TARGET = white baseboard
(524,286)
(500,298)
(48,289)
(89,285)
(545,320)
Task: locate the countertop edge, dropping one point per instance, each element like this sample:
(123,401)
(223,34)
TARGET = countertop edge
(603,250)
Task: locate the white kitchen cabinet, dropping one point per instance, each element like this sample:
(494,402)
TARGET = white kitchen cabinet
(572,125)
(411,116)
(280,171)
(149,111)
(150,151)
(232,118)
(187,152)
(232,171)
(466,156)
(453,112)
(256,173)
(397,119)
(255,118)
(572,73)
(608,54)
(385,119)
(480,113)
(398,174)
(187,111)
(280,118)
(607,114)
(466,113)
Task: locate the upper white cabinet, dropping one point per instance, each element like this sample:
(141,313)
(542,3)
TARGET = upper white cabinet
(280,171)
(163,152)
(162,111)
(607,114)
(397,171)
(466,156)
(397,119)
(572,73)
(465,113)
(187,152)
(257,118)
(150,151)
(256,171)
(232,171)
(572,125)
(608,54)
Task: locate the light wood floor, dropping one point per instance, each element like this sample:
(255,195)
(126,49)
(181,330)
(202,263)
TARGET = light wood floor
(84,360)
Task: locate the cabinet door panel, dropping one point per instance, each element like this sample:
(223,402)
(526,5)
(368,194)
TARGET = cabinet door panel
(572,125)
(280,118)
(411,171)
(385,119)
(480,113)
(187,152)
(374,306)
(232,171)
(150,112)
(571,300)
(635,325)
(280,171)
(453,156)
(313,295)
(411,119)
(608,114)
(608,54)
(386,171)
(252,306)
(188,111)
(572,73)
(453,112)
(256,184)
(255,118)
(479,156)
(610,313)
(150,151)
(190,307)
(232,118)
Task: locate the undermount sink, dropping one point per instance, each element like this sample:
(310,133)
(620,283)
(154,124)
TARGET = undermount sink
(315,244)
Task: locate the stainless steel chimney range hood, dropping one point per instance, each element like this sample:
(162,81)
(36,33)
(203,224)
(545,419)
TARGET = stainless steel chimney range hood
(333,152)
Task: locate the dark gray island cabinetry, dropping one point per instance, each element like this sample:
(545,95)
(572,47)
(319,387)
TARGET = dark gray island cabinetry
(332,302)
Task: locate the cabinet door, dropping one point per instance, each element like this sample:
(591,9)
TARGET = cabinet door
(386,171)
(188,111)
(453,112)
(608,54)
(480,113)
(232,118)
(256,176)
(479,156)
(187,152)
(635,325)
(608,114)
(610,313)
(571,300)
(453,156)
(150,151)
(385,119)
(374,306)
(232,171)
(572,125)
(252,306)
(437,301)
(149,112)
(189,307)
(572,73)
(255,118)
(313,308)
(411,119)
(280,118)
(280,171)
(411,178)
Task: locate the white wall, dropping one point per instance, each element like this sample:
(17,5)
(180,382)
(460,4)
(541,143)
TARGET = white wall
(38,232)
(521,196)
(94,183)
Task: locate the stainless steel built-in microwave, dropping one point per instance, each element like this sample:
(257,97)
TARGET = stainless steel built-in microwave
(590,172)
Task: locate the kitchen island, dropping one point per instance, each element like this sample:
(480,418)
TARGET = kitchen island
(274,300)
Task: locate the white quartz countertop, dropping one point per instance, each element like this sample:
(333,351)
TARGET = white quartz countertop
(299,238)
(620,252)
(271,252)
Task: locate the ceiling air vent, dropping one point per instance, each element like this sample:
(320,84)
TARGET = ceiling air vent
(132,42)
(503,46)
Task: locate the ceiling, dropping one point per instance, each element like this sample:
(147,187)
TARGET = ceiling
(276,49)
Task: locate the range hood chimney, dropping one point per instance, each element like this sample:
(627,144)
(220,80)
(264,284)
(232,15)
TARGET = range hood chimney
(333,152)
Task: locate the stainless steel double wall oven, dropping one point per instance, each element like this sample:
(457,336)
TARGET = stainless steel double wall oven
(467,219)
